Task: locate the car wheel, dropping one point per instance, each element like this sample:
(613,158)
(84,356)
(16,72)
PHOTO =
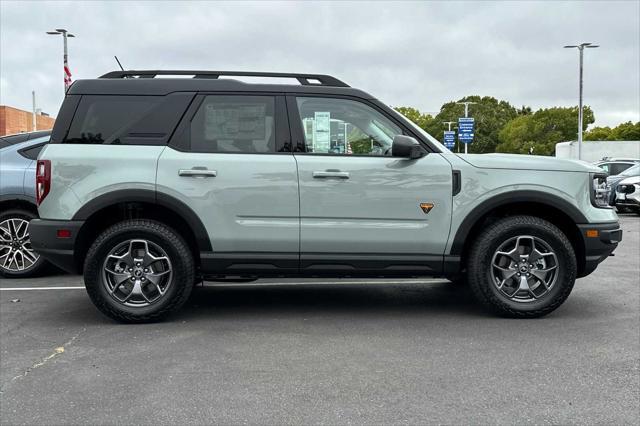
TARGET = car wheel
(522,267)
(17,258)
(139,271)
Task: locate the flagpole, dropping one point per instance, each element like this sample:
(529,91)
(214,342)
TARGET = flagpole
(67,73)
(65,58)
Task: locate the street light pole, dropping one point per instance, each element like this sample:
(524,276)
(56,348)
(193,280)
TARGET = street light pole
(65,58)
(580,48)
(466,114)
(449,123)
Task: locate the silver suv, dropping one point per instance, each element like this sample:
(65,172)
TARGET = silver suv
(152,184)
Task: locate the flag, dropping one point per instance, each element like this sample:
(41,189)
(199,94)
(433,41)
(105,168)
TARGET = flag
(67,76)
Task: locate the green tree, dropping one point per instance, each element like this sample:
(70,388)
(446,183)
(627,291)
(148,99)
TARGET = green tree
(490,116)
(598,134)
(542,130)
(623,132)
(427,122)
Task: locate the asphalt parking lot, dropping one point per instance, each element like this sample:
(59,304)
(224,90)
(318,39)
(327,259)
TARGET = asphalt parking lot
(418,351)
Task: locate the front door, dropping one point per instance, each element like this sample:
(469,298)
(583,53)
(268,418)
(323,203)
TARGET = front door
(362,210)
(231,164)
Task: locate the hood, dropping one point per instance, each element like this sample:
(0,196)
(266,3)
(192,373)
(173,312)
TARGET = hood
(633,180)
(615,179)
(528,162)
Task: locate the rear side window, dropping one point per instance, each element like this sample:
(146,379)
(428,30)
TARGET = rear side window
(124,120)
(234,124)
(617,168)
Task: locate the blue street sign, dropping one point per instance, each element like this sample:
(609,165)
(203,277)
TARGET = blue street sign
(449,139)
(465,129)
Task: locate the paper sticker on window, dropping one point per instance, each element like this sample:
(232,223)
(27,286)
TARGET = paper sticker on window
(322,131)
(234,121)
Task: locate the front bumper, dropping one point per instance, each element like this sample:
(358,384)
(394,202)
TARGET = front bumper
(55,240)
(627,200)
(600,240)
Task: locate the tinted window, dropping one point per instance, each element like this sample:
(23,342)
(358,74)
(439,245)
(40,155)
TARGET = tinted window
(617,168)
(105,119)
(32,153)
(342,126)
(243,124)
(604,167)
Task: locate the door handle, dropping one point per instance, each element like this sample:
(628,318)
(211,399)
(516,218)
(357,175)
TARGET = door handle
(318,174)
(197,173)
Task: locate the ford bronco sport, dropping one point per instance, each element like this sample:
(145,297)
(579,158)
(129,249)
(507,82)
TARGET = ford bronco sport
(150,184)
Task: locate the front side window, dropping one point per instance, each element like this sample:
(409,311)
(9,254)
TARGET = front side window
(343,126)
(234,124)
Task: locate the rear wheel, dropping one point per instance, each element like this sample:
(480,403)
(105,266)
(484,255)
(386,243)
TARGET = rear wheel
(139,271)
(522,267)
(17,258)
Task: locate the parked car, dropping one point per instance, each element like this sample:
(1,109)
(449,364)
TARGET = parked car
(614,166)
(628,194)
(9,140)
(18,154)
(150,184)
(612,183)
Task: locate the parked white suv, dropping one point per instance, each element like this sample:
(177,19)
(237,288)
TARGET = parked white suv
(149,185)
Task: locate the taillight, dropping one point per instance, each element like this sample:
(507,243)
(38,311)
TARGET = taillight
(43,180)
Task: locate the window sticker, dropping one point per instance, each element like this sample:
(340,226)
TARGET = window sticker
(322,131)
(234,121)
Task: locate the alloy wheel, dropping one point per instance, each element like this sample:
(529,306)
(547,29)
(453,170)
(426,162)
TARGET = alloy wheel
(137,273)
(16,252)
(524,268)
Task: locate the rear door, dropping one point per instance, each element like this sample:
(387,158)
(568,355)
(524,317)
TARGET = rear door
(230,161)
(362,210)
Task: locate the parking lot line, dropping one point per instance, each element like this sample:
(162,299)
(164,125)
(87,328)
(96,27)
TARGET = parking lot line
(40,288)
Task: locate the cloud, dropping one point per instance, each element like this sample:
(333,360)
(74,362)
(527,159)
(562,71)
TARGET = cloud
(418,54)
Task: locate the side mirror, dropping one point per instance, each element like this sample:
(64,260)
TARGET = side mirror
(407,147)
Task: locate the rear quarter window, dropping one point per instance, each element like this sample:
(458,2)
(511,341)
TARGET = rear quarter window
(126,120)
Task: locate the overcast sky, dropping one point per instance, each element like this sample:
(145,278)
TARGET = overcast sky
(418,54)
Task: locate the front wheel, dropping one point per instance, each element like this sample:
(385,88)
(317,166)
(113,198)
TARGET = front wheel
(139,271)
(522,267)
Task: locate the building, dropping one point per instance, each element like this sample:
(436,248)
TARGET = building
(596,150)
(14,120)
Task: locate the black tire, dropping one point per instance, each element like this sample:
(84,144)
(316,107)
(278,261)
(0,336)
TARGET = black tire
(39,265)
(459,280)
(177,251)
(622,209)
(479,266)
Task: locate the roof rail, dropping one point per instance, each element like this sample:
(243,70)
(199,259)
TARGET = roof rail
(304,79)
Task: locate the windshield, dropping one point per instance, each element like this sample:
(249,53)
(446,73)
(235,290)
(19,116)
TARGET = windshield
(632,171)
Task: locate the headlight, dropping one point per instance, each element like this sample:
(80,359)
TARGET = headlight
(599,191)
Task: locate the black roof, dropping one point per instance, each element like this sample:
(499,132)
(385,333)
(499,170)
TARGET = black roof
(145,82)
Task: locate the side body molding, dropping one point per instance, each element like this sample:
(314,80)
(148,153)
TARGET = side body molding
(510,198)
(152,197)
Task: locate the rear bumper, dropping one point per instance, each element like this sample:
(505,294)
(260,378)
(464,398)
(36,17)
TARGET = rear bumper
(56,249)
(598,247)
